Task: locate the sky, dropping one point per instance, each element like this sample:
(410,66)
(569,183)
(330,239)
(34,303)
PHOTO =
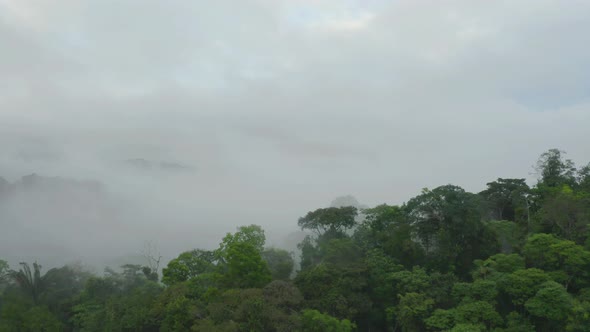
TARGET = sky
(282,105)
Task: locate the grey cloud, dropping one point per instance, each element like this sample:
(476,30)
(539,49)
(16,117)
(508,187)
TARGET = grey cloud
(298,146)
(282,106)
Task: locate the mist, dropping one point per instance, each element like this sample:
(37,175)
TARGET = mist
(175,123)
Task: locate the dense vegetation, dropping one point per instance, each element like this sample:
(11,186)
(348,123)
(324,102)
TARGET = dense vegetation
(510,258)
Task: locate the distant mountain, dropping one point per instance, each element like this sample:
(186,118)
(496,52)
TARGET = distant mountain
(149,165)
(38,183)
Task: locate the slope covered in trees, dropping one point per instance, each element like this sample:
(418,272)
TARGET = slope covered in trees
(510,258)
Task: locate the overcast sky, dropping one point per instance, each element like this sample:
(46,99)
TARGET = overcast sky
(283,105)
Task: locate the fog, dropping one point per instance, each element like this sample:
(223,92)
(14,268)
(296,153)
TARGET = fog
(190,118)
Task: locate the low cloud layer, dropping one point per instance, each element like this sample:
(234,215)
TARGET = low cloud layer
(280,106)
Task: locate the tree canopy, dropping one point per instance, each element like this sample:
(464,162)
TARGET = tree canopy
(513,257)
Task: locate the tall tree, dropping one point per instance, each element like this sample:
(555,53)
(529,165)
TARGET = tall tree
(244,267)
(388,228)
(565,213)
(188,265)
(252,234)
(280,262)
(332,219)
(551,304)
(240,259)
(555,170)
(411,311)
(584,178)
(507,199)
(29,281)
(448,223)
(4,271)
(567,262)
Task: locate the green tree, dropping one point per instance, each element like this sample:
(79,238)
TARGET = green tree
(176,309)
(584,178)
(283,294)
(470,313)
(245,267)
(441,320)
(507,199)
(481,313)
(521,285)
(61,287)
(4,270)
(381,290)
(516,322)
(388,228)
(579,316)
(552,304)
(335,291)
(447,221)
(479,290)
(466,327)
(413,281)
(5,274)
(411,311)
(252,234)
(310,253)
(240,263)
(555,170)
(315,321)
(566,261)
(509,235)
(382,216)
(280,262)
(188,265)
(496,266)
(119,301)
(42,320)
(29,281)
(332,219)
(179,315)
(274,308)
(566,214)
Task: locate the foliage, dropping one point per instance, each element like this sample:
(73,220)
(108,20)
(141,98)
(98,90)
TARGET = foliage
(245,267)
(253,235)
(447,221)
(4,270)
(551,301)
(188,265)
(332,219)
(280,262)
(29,281)
(566,214)
(512,258)
(568,262)
(508,234)
(554,169)
(507,199)
(315,321)
(411,311)
(521,285)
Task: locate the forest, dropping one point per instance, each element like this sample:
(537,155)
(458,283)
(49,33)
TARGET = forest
(512,258)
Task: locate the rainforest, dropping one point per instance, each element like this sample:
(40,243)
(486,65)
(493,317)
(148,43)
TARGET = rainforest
(512,257)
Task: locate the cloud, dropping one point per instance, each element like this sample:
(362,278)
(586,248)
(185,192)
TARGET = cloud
(284,105)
